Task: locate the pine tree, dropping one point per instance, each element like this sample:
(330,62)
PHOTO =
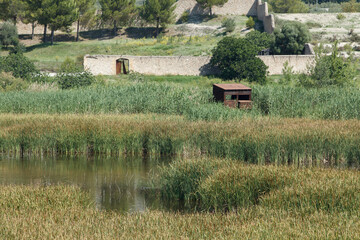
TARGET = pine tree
(86,12)
(160,12)
(208,4)
(117,12)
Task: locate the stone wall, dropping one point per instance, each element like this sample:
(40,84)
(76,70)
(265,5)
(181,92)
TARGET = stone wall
(184,65)
(276,62)
(152,65)
(232,7)
(263,15)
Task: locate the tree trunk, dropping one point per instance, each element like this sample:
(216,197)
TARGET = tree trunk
(32,30)
(14,19)
(52,36)
(45,29)
(210,11)
(78,29)
(115,28)
(157,26)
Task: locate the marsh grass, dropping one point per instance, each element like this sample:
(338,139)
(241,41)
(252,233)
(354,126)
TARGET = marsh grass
(65,212)
(215,185)
(254,140)
(195,103)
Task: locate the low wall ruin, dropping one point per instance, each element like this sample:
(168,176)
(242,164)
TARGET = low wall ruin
(185,65)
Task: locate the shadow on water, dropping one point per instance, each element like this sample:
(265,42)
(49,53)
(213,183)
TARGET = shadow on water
(114,183)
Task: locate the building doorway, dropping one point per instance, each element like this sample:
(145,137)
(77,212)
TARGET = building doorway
(122,66)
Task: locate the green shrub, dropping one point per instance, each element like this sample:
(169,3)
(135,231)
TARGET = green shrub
(8,34)
(291,38)
(262,40)
(250,23)
(19,65)
(350,6)
(228,24)
(340,16)
(67,80)
(236,59)
(69,66)
(9,83)
(184,17)
(329,70)
(288,6)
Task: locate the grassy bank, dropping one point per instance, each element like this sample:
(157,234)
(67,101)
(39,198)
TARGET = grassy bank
(194,103)
(223,185)
(256,140)
(64,212)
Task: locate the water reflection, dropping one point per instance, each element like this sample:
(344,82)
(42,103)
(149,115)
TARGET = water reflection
(114,183)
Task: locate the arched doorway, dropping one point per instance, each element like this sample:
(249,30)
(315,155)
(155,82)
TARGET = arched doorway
(122,66)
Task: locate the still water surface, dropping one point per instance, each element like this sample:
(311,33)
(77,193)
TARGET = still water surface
(113,183)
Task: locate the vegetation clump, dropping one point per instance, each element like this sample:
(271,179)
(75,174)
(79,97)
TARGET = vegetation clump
(288,6)
(262,40)
(236,59)
(291,38)
(250,23)
(329,70)
(8,35)
(228,24)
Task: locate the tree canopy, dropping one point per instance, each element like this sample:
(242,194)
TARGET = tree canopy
(160,12)
(208,4)
(117,12)
(236,59)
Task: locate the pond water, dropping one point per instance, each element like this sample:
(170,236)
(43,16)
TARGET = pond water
(113,183)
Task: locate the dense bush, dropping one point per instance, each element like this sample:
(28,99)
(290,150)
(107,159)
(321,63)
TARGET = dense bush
(250,23)
(74,80)
(228,24)
(288,6)
(291,38)
(350,6)
(71,76)
(19,65)
(8,34)
(236,59)
(329,70)
(262,40)
(9,83)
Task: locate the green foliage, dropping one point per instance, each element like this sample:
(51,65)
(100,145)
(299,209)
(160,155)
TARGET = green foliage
(9,83)
(291,38)
(69,66)
(160,12)
(117,12)
(181,180)
(236,59)
(288,73)
(340,16)
(262,40)
(228,24)
(208,4)
(19,65)
(71,76)
(11,10)
(8,34)
(62,14)
(350,6)
(86,14)
(184,17)
(288,6)
(250,23)
(329,70)
(74,80)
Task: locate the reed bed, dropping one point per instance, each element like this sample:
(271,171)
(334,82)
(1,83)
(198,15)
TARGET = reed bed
(219,185)
(65,212)
(254,140)
(192,102)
